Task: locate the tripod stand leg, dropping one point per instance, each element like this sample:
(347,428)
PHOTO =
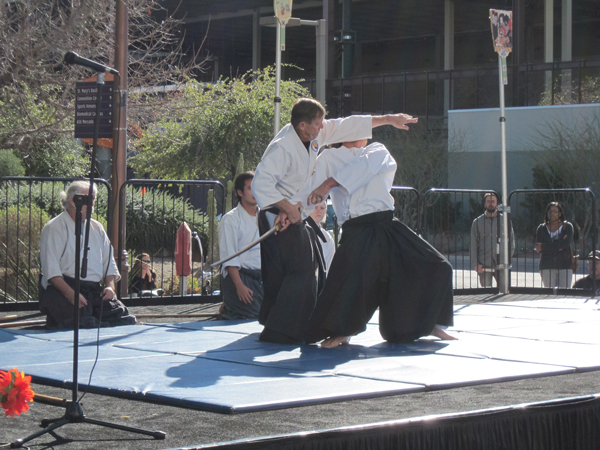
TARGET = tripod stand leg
(17,443)
(74,414)
(155,434)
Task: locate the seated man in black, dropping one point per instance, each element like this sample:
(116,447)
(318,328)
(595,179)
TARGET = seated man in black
(97,305)
(587,283)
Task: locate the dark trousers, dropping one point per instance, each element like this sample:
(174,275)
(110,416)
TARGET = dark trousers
(381,263)
(291,279)
(60,311)
(234,307)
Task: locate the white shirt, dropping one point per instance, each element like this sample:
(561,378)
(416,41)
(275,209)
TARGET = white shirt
(57,250)
(328,249)
(237,229)
(366,176)
(286,164)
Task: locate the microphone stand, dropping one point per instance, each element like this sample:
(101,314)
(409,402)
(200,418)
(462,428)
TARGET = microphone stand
(74,411)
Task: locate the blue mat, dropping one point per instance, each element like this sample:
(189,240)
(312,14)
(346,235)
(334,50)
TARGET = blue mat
(223,367)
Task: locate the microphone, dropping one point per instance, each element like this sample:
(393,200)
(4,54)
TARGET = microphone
(74,58)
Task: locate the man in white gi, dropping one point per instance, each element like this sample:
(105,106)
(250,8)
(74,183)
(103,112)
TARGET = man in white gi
(486,241)
(290,258)
(98,306)
(241,282)
(380,262)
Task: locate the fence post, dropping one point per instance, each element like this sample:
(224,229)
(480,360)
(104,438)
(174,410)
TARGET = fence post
(229,196)
(211,209)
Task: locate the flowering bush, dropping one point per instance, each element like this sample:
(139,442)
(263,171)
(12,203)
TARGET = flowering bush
(15,392)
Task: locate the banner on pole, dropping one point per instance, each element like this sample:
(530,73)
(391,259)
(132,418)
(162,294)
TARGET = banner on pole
(501,22)
(283,12)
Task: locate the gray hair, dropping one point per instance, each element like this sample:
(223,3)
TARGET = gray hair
(75,188)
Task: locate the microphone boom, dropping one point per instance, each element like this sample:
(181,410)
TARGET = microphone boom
(74,58)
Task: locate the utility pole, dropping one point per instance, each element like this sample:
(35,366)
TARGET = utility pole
(119,151)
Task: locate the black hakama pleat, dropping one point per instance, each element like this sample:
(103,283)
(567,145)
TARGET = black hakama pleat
(289,266)
(380,262)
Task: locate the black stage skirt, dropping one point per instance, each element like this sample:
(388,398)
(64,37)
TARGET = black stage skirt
(380,262)
(291,278)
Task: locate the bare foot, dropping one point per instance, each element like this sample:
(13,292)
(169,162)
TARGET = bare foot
(335,341)
(438,332)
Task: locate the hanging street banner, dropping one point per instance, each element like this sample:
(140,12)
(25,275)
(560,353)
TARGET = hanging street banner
(283,12)
(501,22)
(86,94)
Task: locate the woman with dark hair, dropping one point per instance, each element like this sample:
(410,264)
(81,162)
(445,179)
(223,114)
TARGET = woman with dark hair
(144,276)
(553,240)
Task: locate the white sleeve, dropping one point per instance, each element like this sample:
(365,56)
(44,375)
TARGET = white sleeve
(374,160)
(302,197)
(272,167)
(320,174)
(228,237)
(351,128)
(52,245)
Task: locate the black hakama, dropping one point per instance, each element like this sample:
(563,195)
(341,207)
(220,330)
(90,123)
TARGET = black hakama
(380,262)
(290,274)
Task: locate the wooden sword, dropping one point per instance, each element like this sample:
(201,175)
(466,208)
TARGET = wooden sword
(249,246)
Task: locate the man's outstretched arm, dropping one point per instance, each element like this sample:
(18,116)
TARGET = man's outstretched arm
(400,120)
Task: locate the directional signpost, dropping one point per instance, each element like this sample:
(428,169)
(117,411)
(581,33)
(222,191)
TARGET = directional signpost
(85,109)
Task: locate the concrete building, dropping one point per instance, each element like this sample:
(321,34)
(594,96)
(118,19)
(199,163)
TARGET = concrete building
(422,57)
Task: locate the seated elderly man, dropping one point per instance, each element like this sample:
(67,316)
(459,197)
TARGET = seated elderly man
(98,306)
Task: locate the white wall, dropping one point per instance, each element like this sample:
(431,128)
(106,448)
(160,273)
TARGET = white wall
(474,142)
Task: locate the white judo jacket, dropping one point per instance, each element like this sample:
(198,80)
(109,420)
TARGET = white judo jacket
(286,164)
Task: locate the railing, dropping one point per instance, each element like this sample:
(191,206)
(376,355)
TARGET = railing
(156,208)
(527,213)
(407,206)
(154,211)
(448,215)
(26,204)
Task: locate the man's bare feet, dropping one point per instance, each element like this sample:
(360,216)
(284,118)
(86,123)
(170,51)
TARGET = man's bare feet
(335,341)
(440,333)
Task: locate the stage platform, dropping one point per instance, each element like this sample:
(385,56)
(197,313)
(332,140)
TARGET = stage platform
(221,366)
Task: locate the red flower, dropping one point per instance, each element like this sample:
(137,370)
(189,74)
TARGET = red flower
(15,392)
(143,191)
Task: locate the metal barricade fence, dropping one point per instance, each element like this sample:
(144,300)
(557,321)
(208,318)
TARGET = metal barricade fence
(407,206)
(26,204)
(154,211)
(448,216)
(527,208)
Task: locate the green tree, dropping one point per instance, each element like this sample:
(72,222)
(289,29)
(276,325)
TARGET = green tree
(10,165)
(207,127)
(37,88)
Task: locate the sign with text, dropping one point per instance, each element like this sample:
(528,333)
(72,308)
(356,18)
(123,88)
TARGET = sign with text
(86,95)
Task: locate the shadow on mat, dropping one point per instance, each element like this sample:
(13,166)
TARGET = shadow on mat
(282,361)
